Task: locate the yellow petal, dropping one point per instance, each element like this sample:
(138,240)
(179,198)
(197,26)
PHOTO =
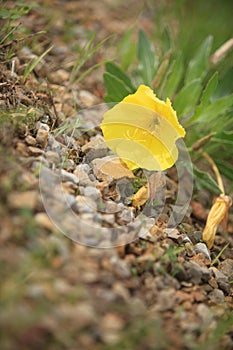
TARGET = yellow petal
(142,130)
(145,96)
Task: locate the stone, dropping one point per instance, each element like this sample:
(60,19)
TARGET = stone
(202,248)
(87,99)
(99,151)
(85,205)
(23,199)
(83,178)
(218,274)
(166,300)
(43,220)
(53,144)
(222,280)
(226,267)
(172,233)
(216,296)
(224,286)
(92,192)
(120,267)
(66,176)
(35,151)
(52,157)
(30,140)
(22,149)
(109,207)
(69,187)
(42,137)
(195,236)
(78,316)
(112,321)
(197,274)
(110,168)
(109,218)
(205,315)
(125,216)
(85,167)
(183,238)
(60,76)
(94,142)
(147,224)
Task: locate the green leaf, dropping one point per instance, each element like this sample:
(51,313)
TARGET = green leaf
(115,87)
(224,137)
(147,58)
(214,110)
(206,95)
(197,67)
(29,68)
(118,73)
(166,39)
(176,72)
(127,50)
(225,168)
(209,90)
(205,181)
(187,97)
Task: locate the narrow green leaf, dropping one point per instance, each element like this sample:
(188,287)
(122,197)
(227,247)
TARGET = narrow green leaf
(33,64)
(127,50)
(147,58)
(224,137)
(225,86)
(117,72)
(209,89)
(166,39)
(206,95)
(198,65)
(176,72)
(205,181)
(215,109)
(115,87)
(225,169)
(187,98)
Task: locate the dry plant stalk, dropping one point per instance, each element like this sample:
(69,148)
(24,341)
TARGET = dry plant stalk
(223,50)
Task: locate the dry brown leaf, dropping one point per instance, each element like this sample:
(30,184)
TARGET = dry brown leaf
(140,197)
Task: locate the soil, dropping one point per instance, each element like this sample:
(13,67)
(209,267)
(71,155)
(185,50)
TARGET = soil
(160,289)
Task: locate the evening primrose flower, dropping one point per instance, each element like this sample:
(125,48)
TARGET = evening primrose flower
(143,130)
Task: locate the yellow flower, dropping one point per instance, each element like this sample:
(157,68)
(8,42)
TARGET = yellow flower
(143,130)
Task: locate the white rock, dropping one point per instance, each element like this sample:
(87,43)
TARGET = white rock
(66,176)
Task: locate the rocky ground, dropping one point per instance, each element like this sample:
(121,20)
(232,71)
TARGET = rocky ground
(130,282)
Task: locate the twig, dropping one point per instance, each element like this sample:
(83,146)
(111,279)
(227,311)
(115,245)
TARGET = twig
(53,105)
(222,51)
(216,171)
(201,142)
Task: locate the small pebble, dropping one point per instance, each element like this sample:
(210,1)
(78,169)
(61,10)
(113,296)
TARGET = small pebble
(216,296)
(92,192)
(42,137)
(202,248)
(66,176)
(35,151)
(30,140)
